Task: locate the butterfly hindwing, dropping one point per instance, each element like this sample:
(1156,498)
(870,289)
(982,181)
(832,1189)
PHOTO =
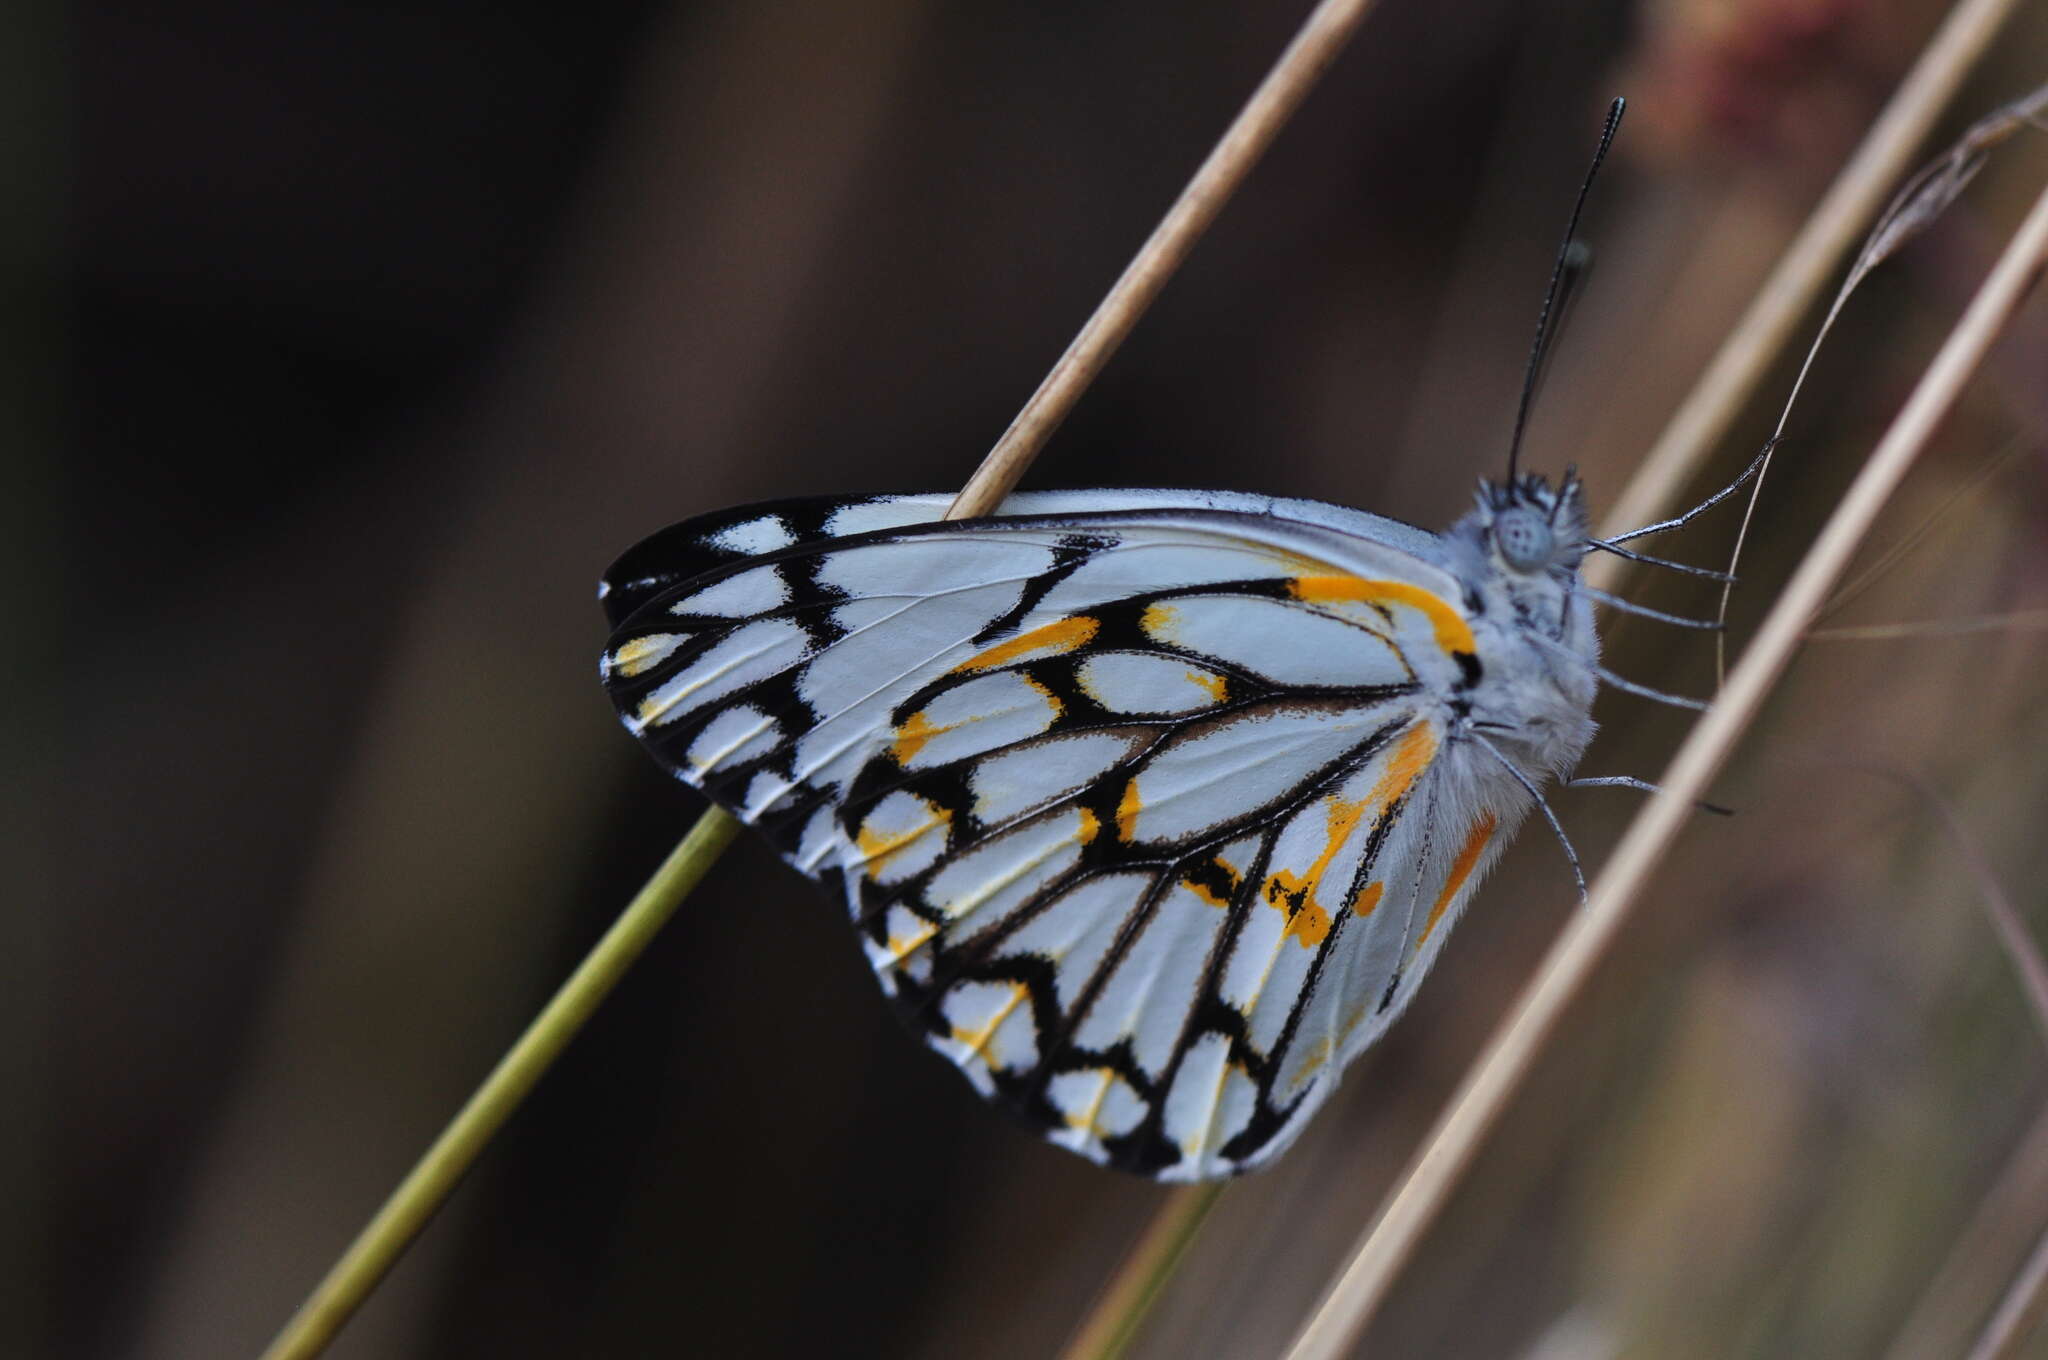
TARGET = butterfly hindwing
(1118,800)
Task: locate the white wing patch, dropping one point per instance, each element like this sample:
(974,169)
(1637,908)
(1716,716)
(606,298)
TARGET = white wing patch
(735,735)
(989,1029)
(1147,998)
(750,592)
(747,655)
(1229,770)
(903,568)
(640,655)
(1010,784)
(755,536)
(905,636)
(985,713)
(1097,1104)
(1076,930)
(902,835)
(1000,872)
(1276,641)
(1150,684)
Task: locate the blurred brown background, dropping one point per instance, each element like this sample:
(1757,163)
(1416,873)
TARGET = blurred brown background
(351,341)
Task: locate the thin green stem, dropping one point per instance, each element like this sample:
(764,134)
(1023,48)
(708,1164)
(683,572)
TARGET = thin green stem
(422,1193)
(1114,1321)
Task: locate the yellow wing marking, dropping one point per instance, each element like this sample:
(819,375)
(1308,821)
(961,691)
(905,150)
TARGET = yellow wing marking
(1218,686)
(978,1039)
(1127,810)
(638,654)
(1453,634)
(879,847)
(1054,639)
(1160,620)
(912,735)
(1312,1062)
(903,946)
(1368,898)
(1461,869)
(1085,1119)
(915,731)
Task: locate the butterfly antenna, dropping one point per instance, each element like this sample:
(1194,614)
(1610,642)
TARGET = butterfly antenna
(1569,267)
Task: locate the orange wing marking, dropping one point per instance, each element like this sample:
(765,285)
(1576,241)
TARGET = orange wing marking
(1127,810)
(1307,919)
(1405,766)
(1056,638)
(1453,634)
(879,847)
(1461,869)
(1217,882)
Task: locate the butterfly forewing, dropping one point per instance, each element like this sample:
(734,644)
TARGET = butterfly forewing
(1117,799)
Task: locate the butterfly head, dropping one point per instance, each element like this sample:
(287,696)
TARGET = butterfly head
(1526,529)
(1518,555)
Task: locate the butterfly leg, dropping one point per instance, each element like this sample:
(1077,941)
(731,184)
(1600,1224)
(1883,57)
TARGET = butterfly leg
(1622,781)
(1556,828)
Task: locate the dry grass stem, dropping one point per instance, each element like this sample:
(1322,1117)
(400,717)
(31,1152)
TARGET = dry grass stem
(1358,1290)
(1304,60)
(2025,620)
(1912,210)
(1898,550)
(2004,1222)
(1702,420)
(2019,1311)
(2005,917)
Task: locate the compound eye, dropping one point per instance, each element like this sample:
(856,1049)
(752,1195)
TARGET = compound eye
(1525,540)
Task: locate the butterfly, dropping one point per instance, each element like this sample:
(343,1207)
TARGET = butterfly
(1150,808)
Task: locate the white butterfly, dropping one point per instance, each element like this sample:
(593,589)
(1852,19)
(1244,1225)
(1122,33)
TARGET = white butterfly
(1151,808)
